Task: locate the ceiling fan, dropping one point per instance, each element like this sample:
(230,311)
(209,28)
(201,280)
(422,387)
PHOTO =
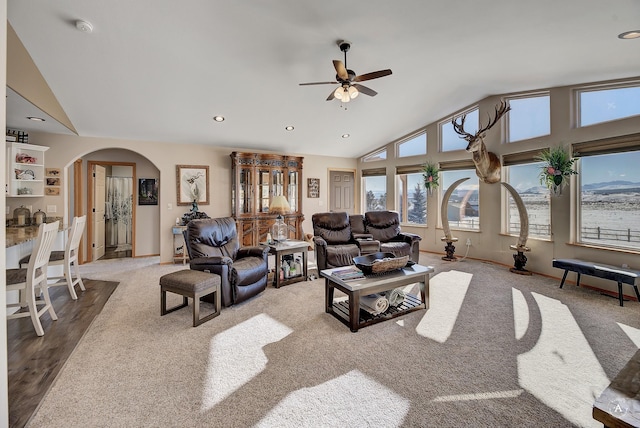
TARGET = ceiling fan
(347,79)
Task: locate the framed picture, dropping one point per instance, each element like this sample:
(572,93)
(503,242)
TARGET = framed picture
(192,184)
(52,172)
(147,191)
(53,181)
(52,191)
(313,187)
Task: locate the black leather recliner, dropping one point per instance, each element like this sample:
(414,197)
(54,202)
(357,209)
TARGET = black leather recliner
(334,245)
(384,226)
(213,246)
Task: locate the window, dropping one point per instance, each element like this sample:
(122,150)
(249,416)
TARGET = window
(463,210)
(529,117)
(524,178)
(374,190)
(602,105)
(411,195)
(375,156)
(609,196)
(414,146)
(450,140)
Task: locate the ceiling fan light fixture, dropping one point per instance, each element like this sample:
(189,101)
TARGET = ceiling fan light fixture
(627,35)
(353,92)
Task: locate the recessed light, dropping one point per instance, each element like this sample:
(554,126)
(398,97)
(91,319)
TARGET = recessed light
(218,118)
(634,34)
(36,119)
(345,135)
(84,26)
(289,128)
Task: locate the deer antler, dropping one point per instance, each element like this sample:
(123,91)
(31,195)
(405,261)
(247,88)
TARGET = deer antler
(500,111)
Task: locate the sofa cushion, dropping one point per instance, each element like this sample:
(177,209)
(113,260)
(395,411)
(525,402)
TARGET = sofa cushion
(248,270)
(383,225)
(399,249)
(332,227)
(341,255)
(213,237)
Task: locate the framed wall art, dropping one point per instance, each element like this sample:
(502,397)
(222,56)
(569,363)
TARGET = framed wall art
(52,172)
(313,187)
(192,184)
(147,191)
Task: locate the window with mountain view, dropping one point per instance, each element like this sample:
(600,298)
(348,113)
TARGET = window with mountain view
(374,189)
(463,210)
(450,140)
(412,198)
(610,199)
(535,196)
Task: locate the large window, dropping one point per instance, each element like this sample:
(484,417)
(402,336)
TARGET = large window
(414,146)
(450,140)
(524,178)
(411,196)
(529,117)
(602,105)
(463,210)
(374,189)
(610,199)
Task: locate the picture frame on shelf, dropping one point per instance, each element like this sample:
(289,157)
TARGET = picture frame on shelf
(147,191)
(313,187)
(192,182)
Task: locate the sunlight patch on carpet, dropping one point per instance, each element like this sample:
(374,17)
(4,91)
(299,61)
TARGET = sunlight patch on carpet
(520,313)
(480,396)
(350,400)
(446,294)
(561,369)
(633,333)
(236,356)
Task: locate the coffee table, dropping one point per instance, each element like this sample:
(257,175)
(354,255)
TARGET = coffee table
(349,311)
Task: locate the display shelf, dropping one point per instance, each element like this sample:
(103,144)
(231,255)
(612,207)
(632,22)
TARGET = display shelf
(25,170)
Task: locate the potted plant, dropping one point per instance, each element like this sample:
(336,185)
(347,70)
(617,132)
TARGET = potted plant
(557,168)
(430,175)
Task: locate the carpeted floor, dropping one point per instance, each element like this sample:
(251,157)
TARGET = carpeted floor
(494,349)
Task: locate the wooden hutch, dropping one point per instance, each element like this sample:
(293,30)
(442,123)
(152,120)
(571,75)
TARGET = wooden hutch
(256,179)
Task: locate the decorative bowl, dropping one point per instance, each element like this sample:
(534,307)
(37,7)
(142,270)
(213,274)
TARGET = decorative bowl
(380,262)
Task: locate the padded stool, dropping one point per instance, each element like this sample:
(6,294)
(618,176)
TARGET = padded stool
(194,284)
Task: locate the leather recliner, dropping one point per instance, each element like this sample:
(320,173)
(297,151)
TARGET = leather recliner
(213,246)
(334,245)
(384,226)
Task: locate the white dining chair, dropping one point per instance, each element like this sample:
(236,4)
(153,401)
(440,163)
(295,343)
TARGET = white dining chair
(26,281)
(66,258)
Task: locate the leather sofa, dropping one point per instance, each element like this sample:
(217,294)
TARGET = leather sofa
(339,237)
(213,246)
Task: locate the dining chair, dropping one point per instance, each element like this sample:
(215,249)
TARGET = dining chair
(66,258)
(26,281)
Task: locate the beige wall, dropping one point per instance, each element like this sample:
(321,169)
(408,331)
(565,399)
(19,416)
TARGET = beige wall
(159,160)
(489,243)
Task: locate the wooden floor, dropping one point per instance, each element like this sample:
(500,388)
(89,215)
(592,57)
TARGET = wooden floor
(34,362)
(111,253)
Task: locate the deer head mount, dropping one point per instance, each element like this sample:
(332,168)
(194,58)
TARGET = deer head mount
(487,163)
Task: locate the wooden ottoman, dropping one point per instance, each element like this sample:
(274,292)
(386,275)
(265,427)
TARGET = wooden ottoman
(193,284)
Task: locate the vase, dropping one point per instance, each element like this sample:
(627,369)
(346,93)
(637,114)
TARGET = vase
(556,190)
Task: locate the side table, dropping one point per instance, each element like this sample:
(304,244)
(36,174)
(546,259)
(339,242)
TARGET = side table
(179,247)
(284,248)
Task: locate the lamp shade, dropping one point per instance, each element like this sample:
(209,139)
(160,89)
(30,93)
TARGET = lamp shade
(279,205)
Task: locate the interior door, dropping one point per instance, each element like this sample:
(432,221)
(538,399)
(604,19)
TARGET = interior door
(341,191)
(99,197)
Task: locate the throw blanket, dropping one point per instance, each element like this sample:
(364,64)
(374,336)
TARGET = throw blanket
(395,296)
(375,304)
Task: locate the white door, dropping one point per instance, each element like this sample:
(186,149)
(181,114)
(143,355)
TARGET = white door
(99,197)
(341,191)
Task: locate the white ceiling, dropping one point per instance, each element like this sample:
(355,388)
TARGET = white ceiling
(161,69)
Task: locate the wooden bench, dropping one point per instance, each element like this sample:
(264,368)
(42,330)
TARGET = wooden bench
(614,273)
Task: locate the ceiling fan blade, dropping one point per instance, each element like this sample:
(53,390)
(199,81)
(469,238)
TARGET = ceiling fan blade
(318,83)
(372,75)
(331,96)
(367,91)
(340,69)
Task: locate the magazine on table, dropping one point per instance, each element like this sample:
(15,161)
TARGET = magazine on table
(349,273)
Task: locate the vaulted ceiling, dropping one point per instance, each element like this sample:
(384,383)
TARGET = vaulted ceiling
(160,70)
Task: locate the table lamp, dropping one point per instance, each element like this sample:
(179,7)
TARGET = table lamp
(279,205)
